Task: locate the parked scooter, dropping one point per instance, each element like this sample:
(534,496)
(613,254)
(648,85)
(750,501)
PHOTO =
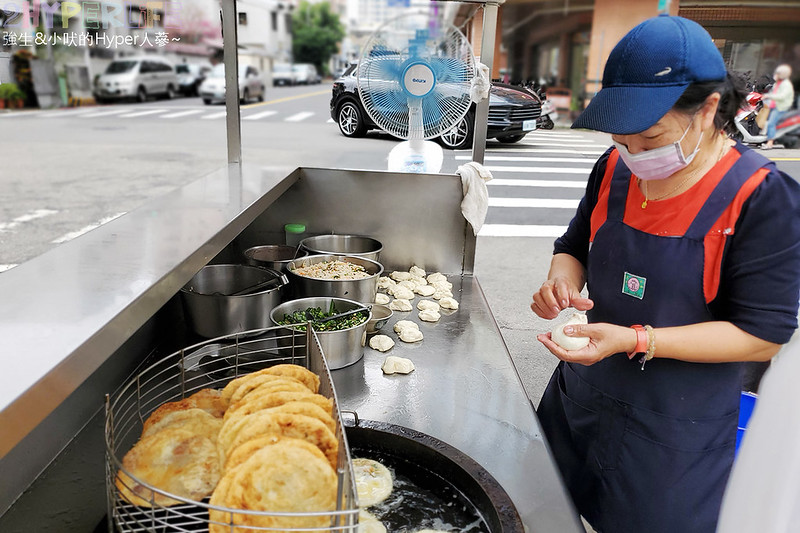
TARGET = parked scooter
(748,131)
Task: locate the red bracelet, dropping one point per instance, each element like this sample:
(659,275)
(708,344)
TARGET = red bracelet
(642,340)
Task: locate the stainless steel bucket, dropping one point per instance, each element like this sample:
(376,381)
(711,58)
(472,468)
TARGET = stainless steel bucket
(360,290)
(341,348)
(352,245)
(276,256)
(212,311)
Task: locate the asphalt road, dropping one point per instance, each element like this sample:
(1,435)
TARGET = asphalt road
(64,172)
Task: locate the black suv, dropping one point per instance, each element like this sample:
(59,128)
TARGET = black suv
(513,113)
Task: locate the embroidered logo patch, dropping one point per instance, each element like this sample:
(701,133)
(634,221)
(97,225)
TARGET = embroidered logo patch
(633,285)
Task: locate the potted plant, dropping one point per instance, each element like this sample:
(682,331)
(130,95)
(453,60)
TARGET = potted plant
(11,96)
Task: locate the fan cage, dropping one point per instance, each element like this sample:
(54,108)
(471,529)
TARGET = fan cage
(212,364)
(390,50)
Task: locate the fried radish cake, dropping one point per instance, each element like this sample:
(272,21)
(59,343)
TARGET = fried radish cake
(195,420)
(285,475)
(174,460)
(302,427)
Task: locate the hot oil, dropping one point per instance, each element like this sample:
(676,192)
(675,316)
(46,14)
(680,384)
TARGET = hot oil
(421,499)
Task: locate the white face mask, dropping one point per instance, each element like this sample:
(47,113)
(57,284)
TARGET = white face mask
(658,163)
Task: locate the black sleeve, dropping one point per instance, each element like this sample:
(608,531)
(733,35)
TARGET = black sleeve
(760,283)
(575,241)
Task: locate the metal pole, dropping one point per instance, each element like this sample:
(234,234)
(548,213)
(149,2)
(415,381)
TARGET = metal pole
(231,57)
(487,58)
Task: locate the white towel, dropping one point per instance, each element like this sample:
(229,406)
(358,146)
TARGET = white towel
(480,84)
(476,196)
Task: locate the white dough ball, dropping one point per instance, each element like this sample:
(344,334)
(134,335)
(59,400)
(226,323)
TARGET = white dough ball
(410,335)
(385,282)
(427,304)
(397,365)
(382,299)
(448,303)
(382,343)
(425,290)
(403,293)
(400,325)
(429,315)
(400,304)
(570,343)
(437,276)
(398,275)
(417,272)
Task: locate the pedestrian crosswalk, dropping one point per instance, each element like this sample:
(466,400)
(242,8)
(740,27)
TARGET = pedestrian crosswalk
(171,113)
(538,182)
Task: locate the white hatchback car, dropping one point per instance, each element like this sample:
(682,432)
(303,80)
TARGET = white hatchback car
(250,85)
(136,77)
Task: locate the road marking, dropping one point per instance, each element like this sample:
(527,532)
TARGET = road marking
(522,230)
(214,115)
(27,217)
(74,234)
(496,150)
(61,114)
(259,115)
(20,114)
(5,267)
(540,170)
(549,203)
(330,121)
(106,113)
(570,184)
(560,140)
(143,113)
(531,159)
(287,98)
(299,116)
(562,144)
(183,113)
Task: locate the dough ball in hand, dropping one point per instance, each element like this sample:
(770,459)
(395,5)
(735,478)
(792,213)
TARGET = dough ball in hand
(570,343)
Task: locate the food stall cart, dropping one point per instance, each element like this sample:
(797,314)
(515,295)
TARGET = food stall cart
(78,320)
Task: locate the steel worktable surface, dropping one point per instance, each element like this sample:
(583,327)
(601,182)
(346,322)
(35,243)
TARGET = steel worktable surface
(466,392)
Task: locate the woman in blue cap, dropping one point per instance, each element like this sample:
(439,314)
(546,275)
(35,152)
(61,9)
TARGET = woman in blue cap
(689,245)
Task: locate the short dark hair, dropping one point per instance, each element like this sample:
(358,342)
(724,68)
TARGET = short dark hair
(732,91)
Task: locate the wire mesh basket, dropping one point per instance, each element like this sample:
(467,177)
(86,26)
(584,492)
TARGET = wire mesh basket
(213,364)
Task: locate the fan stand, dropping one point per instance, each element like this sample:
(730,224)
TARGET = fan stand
(487,58)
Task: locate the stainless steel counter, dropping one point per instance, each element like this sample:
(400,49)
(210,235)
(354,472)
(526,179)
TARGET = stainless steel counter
(76,320)
(466,392)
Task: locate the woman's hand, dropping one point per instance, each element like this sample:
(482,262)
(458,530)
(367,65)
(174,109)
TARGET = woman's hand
(604,340)
(557,294)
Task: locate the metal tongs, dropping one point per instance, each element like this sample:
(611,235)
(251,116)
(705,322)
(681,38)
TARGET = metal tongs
(338,315)
(280,280)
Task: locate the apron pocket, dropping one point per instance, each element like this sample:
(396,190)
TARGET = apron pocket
(677,467)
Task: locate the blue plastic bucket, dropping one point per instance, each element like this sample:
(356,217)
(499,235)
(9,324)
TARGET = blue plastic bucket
(746,404)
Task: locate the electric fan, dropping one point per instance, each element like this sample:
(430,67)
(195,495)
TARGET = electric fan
(414,79)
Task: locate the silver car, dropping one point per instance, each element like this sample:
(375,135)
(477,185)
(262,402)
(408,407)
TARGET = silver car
(250,85)
(138,78)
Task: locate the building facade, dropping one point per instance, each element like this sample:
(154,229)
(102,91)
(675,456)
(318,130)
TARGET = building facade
(565,43)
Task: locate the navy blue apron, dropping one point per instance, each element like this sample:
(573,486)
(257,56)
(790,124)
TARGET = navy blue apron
(663,436)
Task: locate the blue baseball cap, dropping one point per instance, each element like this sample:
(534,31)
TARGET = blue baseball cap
(647,72)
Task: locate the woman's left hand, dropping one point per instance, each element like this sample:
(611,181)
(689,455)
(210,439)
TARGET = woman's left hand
(604,340)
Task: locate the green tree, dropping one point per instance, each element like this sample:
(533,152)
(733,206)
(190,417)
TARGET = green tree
(316,33)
